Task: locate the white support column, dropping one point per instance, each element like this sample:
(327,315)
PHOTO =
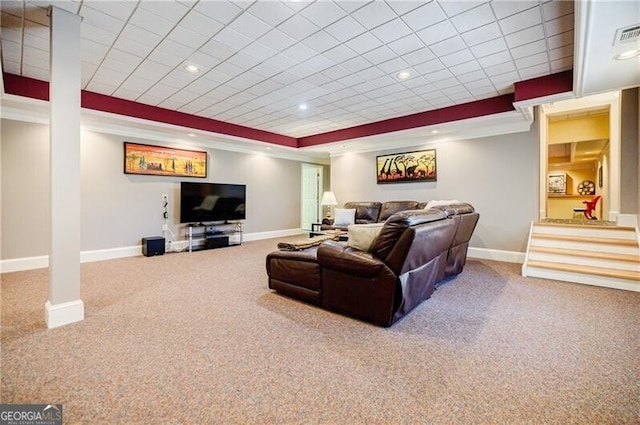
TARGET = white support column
(64,305)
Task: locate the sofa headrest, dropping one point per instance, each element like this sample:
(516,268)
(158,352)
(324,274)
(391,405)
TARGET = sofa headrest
(398,223)
(391,207)
(455,209)
(365,211)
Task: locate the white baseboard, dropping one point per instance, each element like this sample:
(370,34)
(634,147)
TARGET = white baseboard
(627,220)
(496,255)
(41,262)
(64,313)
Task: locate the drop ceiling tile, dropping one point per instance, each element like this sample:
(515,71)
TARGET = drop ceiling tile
(336,72)
(394,65)
(277,40)
(560,40)
(258,51)
(36,14)
(35,57)
(505,80)
(443,74)
(185,36)
(232,38)
(558,26)
(298,27)
(475,75)
(139,35)
(482,34)
(154,23)
(11,50)
(152,70)
(379,55)
(319,63)
(374,14)
(150,99)
(457,58)
(521,20)
(272,13)
(243,61)
(345,29)
(427,68)
(423,16)
(483,92)
(300,71)
(465,67)
(371,73)
(502,9)
(437,32)
(532,60)
(534,71)
(202,60)
(323,13)
(405,45)
(299,52)
(221,11)
(320,42)
(528,35)
(448,46)
(227,69)
(356,64)
(452,8)
(200,85)
(392,30)
(562,64)
(479,83)
(102,88)
(168,58)
(36,38)
(318,79)
(250,26)
(266,71)
(135,83)
(363,43)
(280,62)
(245,80)
(499,69)
(340,54)
(561,52)
(170,10)
(170,103)
(201,24)
(217,50)
(556,9)
(89,32)
(529,49)
(474,18)
(495,59)
(419,56)
(132,47)
(120,10)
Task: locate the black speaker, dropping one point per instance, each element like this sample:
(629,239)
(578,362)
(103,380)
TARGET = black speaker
(153,246)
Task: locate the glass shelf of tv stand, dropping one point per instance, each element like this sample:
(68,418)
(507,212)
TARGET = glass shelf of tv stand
(213,235)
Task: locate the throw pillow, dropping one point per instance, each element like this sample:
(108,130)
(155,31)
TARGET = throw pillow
(362,236)
(344,217)
(432,204)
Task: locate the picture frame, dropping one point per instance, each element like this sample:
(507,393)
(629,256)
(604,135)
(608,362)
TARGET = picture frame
(557,183)
(164,161)
(407,167)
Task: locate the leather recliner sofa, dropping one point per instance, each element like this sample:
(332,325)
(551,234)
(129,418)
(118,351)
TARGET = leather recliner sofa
(414,251)
(368,212)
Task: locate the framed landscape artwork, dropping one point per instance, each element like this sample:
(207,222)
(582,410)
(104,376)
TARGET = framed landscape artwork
(164,161)
(418,166)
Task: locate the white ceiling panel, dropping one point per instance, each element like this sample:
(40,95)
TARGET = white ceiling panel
(258,59)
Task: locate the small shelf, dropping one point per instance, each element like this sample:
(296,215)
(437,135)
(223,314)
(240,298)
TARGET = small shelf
(213,235)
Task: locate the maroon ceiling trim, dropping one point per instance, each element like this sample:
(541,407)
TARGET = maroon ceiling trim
(524,90)
(561,82)
(478,108)
(37,89)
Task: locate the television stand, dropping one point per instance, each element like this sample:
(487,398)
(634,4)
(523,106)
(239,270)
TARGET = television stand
(215,235)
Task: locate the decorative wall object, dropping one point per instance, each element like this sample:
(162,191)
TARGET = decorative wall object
(418,166)
(587,187)
(557,183)
(164,161)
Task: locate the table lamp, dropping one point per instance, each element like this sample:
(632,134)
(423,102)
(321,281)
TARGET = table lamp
(328,199)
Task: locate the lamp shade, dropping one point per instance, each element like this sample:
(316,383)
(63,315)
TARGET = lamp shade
(328,198)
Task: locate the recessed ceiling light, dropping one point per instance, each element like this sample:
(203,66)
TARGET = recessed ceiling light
(192,68)
(627,55)
(403,75)
(434,132)
(192,134)
(303,106)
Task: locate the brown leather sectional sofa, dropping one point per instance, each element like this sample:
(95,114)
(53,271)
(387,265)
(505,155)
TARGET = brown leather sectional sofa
(373,212)
(414,251)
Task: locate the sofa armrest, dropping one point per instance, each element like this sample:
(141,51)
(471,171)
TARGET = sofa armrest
(328,221)
(340,257)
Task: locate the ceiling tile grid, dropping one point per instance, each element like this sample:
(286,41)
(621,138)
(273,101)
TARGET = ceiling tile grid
(258,61)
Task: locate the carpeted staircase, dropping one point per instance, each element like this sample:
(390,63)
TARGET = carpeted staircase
(599,254)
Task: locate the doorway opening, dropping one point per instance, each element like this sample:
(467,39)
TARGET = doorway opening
(312,184)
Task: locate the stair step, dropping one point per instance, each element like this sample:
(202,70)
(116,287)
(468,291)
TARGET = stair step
(597,271)
(587,239)
(588,231)
(586,226)
(587,254)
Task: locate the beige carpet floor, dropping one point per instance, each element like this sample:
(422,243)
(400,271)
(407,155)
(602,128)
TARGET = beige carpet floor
(198,338)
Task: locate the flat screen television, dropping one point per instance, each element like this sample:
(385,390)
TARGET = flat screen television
(208,202)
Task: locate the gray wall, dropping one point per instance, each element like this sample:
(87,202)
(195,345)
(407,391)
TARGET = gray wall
(119,209)
(629,152)
(497,175)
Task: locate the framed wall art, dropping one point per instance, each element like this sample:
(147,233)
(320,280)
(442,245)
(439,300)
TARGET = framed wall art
(164,161)
(418,166)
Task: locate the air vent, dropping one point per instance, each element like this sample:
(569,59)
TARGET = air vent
(627,35)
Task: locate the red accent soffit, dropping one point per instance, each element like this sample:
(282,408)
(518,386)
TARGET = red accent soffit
(478,108)
(524,90)
(561,82)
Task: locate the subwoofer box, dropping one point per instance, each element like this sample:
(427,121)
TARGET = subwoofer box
(216,242)
(153,246)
